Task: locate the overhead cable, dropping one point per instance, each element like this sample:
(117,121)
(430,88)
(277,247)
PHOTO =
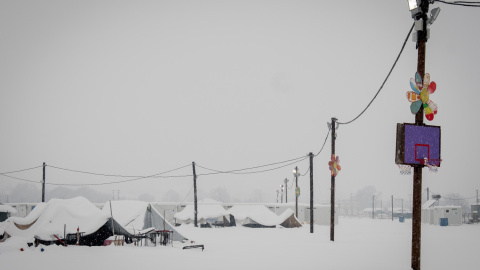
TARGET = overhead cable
(381,87)
(461,3)
(266,170)
(114,175)
(21,179)
(22,170)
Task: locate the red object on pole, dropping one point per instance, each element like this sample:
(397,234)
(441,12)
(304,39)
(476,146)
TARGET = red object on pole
(78,236)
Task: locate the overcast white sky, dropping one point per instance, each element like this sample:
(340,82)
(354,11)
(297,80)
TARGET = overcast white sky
(142,87)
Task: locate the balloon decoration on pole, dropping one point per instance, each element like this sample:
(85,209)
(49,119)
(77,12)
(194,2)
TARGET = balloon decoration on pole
(334,166)
(422,97)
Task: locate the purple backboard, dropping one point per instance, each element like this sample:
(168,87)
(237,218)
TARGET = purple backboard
(415,143)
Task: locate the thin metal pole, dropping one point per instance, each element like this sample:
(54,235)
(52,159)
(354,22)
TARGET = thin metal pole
(195,193)
(332,189)
(311,192)
(111,215)
(43,184)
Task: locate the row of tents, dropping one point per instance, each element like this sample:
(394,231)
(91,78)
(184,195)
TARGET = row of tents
(256,216)
(78,221)
(60,221)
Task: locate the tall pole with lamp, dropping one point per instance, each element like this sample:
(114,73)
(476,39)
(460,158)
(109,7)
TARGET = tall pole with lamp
(296,173)
(419,10)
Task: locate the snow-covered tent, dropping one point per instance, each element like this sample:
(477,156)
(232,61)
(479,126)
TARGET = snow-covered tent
(51,222)
(260,216)
(206,213)
(5,212)
(132,217)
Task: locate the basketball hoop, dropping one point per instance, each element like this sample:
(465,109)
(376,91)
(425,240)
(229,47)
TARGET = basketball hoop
(405,169)
(432,164)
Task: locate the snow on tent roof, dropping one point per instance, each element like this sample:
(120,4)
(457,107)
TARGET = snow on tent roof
(50,218)
(135,216)
(205,211)
(261,215)
(129,214)
(7,209)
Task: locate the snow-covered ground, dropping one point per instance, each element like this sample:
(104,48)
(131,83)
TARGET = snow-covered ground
(359,244)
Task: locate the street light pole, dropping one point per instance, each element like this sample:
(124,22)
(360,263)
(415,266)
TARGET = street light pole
(296,173)
(281,197)
(286,190)
(420,15)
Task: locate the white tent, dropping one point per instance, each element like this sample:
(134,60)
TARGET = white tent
(56,218)
(260,216)
(135,216)
(205,212)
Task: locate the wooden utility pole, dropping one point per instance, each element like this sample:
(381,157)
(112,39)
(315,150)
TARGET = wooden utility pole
(373,207)
(194,194)
(296,188)
(311,192)
(332,189)
(417,169)
(392,207)
(477,196)
(43,183)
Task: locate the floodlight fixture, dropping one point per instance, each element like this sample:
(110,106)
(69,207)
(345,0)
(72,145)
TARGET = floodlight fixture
(436,197)
(433,15)
(296,172)
(413,4)
(415,7)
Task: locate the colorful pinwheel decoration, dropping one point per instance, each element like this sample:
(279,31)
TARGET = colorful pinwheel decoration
(334,166)
(422,97)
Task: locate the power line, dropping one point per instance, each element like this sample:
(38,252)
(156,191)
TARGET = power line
(112,175)
(266,170)
(158,175)
(381,87)
(461,3)
(328,133)
(187,195)
(21,179)
(306,171)
(239,171)
(23,170)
